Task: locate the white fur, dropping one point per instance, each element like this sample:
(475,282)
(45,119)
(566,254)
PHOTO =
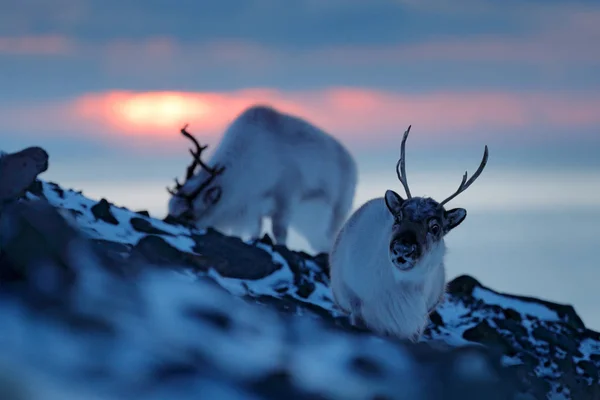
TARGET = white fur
(366,284)
(269,167)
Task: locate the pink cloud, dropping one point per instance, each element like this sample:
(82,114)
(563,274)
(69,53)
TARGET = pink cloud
(40,45)
(559,35)
(357,115)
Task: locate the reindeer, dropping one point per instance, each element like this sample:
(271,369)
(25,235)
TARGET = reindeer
(387,262)
(269,165)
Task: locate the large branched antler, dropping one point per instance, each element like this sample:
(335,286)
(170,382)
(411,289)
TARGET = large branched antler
(197,161)
(465,184)
(196,155)
(402,164)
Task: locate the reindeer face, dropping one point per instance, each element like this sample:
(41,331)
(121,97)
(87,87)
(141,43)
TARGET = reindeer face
(420,225)
(195,209)
(193,201)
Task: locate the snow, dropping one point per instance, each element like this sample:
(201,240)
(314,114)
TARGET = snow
(528,308)
(122,232)
(171,317)
(587,348)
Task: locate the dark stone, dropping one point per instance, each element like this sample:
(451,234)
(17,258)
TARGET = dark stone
(366,367)
(483,333)
(74,213)
(216,318)
(279,385)
(511,314)
(171,220)
(36,188)
(144,213)
(58,190)
(19,170)
(305,288)
(33,234)
(556,339)
(436,318)
(231,257)
(266,239)
(590,369)
(462,285)
(145,226)
(101,211)
(322,261)
(512,326)
(155,250)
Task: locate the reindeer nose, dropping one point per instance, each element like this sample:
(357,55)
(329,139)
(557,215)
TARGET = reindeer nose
(405,246)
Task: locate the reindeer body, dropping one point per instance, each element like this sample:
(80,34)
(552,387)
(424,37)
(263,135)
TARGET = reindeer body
(276,166)
(367,285)
(387,262)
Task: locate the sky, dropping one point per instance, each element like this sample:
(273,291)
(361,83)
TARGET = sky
(106,85)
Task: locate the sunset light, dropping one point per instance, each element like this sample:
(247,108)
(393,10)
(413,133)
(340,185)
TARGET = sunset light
(161,109)
(315,198)
(356,114)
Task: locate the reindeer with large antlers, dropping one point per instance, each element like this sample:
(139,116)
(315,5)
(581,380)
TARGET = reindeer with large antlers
(269,165)
(387,263)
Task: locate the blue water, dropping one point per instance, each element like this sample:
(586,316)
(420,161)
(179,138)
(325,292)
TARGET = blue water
(552,254)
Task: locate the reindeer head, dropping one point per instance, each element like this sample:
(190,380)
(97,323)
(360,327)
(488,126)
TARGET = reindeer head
(200,192)
(420,223)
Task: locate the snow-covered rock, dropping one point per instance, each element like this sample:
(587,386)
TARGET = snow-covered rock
(101,302)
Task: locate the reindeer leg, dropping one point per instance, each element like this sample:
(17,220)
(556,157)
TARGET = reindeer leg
(281,220)
(256,229)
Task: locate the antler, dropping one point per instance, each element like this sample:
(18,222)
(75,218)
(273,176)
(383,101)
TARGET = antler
(465,184)
(401,163)
(197,160)
(196,155)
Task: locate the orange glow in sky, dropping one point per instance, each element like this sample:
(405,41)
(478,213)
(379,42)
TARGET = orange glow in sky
(344,112)
(161,109)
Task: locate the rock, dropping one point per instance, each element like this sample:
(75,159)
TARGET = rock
(267,297)
(19,170)
(145,226)
(231,257)
(228,258)
(101,211)
(35,240)
(463,285)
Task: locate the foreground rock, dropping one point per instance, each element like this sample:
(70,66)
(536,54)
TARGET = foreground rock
(144,309)
(18,170)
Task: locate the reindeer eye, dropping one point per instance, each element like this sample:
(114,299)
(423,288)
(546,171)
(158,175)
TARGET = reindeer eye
(435,229)
(212,195)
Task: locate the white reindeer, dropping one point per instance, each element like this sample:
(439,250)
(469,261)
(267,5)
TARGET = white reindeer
(387,263)
(269,165)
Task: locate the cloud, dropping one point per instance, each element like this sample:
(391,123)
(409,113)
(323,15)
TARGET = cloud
(38,45)
(536,33)
(22,17)
(352,114)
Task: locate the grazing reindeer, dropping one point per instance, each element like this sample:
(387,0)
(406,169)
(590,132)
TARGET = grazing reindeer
(269,165)
(387,263)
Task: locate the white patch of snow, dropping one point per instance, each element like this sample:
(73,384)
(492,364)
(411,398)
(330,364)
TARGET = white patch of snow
(588,347)
(529,308)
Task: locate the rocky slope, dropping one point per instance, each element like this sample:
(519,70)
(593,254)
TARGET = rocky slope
(101,302)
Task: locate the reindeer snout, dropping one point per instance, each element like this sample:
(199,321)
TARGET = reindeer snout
(404,249)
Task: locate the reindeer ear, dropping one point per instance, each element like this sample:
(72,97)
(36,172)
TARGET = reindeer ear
(393,201)
(454,218)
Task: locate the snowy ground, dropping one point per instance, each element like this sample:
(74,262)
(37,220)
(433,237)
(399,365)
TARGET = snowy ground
(182,334)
